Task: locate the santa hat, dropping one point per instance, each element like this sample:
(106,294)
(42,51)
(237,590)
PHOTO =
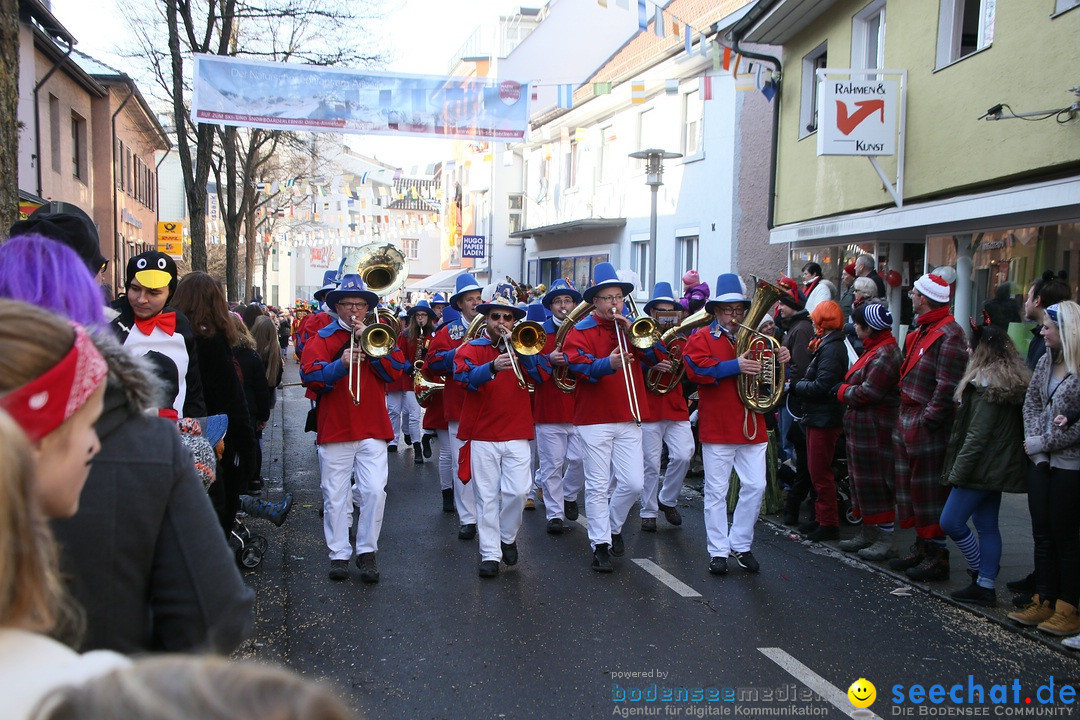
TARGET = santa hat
(934,287)
(850,269)
(691,278)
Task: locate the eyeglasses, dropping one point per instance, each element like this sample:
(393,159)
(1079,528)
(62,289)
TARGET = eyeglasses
(609,298)
(500,316)
(351,305)
(732,310)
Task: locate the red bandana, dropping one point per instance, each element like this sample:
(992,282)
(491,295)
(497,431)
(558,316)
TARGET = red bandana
(165,321)
(44,403)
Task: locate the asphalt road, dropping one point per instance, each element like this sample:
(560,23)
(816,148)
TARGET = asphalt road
(550,638)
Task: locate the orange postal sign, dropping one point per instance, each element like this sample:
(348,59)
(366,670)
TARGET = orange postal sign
(170,238)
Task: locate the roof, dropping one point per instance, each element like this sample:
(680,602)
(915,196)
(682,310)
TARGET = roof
(44,18)
(775,22)
(110,76)
(573,226)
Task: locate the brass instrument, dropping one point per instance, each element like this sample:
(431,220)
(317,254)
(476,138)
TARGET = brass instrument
(644,332)
(376,340)
(423,388)
(560,374)
(383,267)
(760,393)
(623,341)
(673,341)
(526,338)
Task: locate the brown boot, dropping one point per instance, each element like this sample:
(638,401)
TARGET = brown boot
(935,565)
(1063,622)
(913,558)
(1037,611)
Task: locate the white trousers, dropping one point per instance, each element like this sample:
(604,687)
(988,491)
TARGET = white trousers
(401,402)
(500,479)
(749,464)
(464,497)
(557,445)
(338,462)
(447,461)
(679,438)
(605,447)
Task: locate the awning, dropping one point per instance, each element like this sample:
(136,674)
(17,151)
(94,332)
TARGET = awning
(571,227)
(442,280)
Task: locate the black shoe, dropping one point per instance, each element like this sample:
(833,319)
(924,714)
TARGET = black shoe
(570,509)
(448,500)
(648,524)
(510,554)
(671,514)
(824,532)
(718,566)
(369,571)
(339,570)
(791,517)
(408,439)
(467,531)
(601,562)
(255,486)
(554,526)
(417,454)
(392,447)
(1022,600)
(913,558)
(617,546)
(489,568)
(746,561)
(1024,585)
(976,595)
(934,566)
(808,527)
(425,443)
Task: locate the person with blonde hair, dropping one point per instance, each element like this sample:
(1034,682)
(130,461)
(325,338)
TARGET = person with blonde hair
(1053,490)
(205,687)
(52,383)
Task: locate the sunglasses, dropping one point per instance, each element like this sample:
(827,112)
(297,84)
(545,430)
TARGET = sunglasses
(500,316)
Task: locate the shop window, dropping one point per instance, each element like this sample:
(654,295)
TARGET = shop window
(964,28)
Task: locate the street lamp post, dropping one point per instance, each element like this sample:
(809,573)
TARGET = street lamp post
(654,177)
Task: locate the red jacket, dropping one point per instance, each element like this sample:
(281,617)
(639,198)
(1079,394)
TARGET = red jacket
(405,382)
(601,395)
(339,419)
(550,404)
(712,364)
(494,408)
(440,365)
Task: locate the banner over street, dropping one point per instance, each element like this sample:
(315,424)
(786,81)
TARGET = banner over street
(285,96)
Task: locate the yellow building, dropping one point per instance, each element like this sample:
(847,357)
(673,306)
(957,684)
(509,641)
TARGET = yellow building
(986,175)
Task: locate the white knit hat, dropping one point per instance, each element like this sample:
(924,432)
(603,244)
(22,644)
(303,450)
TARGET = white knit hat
(934,287)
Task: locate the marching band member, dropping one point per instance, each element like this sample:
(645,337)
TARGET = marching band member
(557,442)
(402,399)
(435,424)
(724,424)
(495,434)
(352,431)
(438,304)
(602,414)
(668,423)
(440,361)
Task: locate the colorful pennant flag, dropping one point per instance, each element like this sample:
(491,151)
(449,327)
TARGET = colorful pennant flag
(706,87)
(658,23)
(642,16)
(602,3)
(727,57)
(566,95)
(687,42)
(769,89)
(703,45)
(637,92)
(601,88)
(714,50)
(671,87)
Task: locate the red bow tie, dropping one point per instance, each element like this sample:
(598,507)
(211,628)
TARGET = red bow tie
(165,321)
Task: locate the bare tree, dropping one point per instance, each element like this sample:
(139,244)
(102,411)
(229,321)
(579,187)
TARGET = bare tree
(9,112)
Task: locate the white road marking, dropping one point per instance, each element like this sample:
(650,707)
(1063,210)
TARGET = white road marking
(667,578)
(815,682)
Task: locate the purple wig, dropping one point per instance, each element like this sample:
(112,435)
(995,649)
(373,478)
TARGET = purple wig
(51,275)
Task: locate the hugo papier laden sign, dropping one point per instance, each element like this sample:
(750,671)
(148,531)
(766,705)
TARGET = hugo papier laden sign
(472,246)
(856,117)
(170,238)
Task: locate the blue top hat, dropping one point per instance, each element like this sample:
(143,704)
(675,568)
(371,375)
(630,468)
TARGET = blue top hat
(352,286)
(465,283)
(604,276)
(449,315)
(560,287)
(535,312)
(438,299)
(501,303)
(422,305)
(728,290)
(661,292)
(329,283)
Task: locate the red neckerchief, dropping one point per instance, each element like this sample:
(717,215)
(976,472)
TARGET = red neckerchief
(927,332)
(811,285)
(165,321)
(871,345)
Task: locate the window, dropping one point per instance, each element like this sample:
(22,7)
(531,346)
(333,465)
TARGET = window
(412,248)
(964,27)
(639,260)
(868,37)
(79,167)
(816,59)
(688,253)
(515,204)
(570,162)
(54,131)
(604,157)
(118,169)
(650,133)
(128,171)
(692,114)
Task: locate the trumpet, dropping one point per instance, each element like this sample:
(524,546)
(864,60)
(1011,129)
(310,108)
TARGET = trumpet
(375,341)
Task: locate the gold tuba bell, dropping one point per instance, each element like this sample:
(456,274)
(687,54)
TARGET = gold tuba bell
(760,393)
(383,267)
(560,374)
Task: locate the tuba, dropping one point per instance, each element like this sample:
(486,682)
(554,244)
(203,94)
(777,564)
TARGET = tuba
(673,340)
(760,393)
(560,374)
(383,267)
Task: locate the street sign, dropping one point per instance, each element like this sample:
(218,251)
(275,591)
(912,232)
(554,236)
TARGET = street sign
(856,117)
(170,238)
(472,246)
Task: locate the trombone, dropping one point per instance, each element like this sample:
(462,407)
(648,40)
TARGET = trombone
(526,338)
(375,340)
(628,377)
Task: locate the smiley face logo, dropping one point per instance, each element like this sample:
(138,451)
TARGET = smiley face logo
(862,693)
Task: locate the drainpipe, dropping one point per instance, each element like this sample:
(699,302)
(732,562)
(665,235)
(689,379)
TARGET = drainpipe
(157,184)
(37,114)
(735,35)
(115,199)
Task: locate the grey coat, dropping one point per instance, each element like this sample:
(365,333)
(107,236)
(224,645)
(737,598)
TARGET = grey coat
(1045,441)
(145,555)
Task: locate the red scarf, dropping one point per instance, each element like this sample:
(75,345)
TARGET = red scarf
(871,344)
(927,332)
(165,321)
